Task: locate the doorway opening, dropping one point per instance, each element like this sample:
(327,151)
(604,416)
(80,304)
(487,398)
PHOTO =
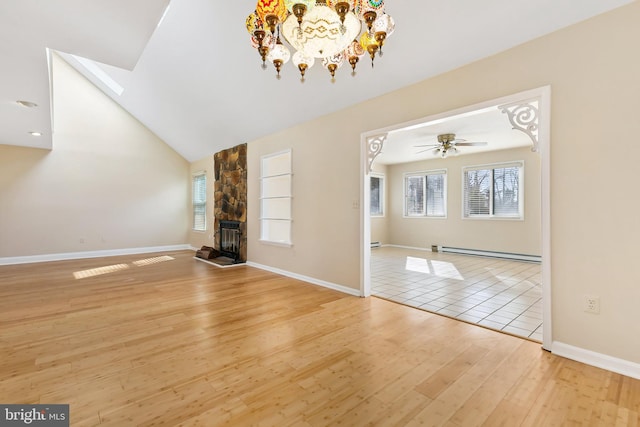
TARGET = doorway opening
(433,202)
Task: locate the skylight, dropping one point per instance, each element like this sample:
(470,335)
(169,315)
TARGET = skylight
(98,73)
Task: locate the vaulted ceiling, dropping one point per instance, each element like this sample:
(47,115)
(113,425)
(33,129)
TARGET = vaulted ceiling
(193,78)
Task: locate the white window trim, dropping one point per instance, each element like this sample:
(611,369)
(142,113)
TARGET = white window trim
(194,175)
(289,196)
(425,173)
(491,217)
(383,194)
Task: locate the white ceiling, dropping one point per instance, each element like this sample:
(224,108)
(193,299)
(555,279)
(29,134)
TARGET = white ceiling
(113,31)
(488,125)
(196,82)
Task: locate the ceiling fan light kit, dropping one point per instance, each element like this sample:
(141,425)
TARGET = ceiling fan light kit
(329,30)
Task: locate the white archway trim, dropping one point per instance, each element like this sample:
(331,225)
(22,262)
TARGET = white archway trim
(541,137)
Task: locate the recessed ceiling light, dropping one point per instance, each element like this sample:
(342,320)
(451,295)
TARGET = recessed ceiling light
(35,133)
(27,104)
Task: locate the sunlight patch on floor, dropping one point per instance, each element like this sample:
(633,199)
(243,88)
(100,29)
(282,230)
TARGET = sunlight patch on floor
(154,260)
(437,268)
(118,267)
(99,271)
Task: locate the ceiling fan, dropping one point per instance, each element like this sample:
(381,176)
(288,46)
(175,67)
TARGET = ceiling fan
(447,144)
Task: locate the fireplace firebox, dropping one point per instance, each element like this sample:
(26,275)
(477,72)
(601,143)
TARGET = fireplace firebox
(230,239)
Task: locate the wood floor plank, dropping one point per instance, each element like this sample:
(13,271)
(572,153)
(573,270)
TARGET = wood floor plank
(448,374)
(162,339)
(451,399)
(480,405)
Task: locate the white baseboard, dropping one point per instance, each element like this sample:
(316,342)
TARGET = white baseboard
(599,360)
(407,247)
(492,254)
(89,254)
(335,287)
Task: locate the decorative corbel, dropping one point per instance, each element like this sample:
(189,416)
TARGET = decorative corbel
(524,116)
(374,147)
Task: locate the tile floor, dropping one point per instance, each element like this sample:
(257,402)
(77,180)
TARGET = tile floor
(499,294)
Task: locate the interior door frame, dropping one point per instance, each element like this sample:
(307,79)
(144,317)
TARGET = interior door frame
(372,141)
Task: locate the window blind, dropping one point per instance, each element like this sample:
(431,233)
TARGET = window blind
(415,195)
(506,191)
(477,192)
(377,188)
(435,195)
(493,190)
(199,197)
(426,194)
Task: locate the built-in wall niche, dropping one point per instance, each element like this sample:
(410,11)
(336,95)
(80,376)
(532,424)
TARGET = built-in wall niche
(230,195)
(275,198)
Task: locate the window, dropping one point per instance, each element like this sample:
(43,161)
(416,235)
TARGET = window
(199,199)
(275,198)
(377,195)
(493,191)
(425,194)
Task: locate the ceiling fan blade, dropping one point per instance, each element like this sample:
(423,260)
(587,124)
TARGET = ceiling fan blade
(428,145)
(468,144)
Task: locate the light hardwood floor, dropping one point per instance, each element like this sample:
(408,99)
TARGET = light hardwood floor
(179,342)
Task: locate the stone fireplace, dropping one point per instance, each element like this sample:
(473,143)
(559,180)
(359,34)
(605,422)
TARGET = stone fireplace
(230,202)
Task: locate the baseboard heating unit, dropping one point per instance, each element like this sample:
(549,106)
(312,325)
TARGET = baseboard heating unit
(503,255)
(375,244)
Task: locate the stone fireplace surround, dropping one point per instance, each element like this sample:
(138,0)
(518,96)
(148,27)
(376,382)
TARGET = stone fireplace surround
(230,193)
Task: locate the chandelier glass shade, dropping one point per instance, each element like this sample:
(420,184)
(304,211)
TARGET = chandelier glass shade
(334,31)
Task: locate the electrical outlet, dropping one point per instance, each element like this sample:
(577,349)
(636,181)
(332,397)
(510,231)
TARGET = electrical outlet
(592,304)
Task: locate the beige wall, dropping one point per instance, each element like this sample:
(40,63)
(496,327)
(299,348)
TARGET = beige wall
(593,70)
(108,182)
(197,239)
(511,236)
(326,224)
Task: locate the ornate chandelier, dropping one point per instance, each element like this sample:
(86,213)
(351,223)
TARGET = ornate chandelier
(329,30)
